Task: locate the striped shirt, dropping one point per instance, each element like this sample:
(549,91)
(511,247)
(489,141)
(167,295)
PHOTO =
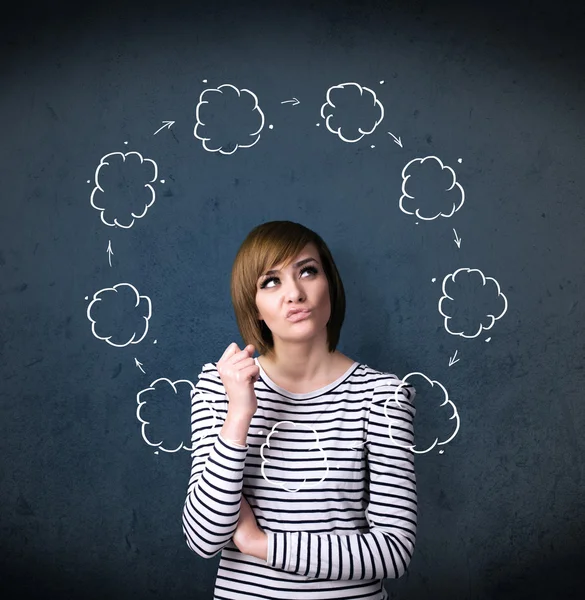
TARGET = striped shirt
(329,476)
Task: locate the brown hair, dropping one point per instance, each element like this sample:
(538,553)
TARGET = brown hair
(266,246)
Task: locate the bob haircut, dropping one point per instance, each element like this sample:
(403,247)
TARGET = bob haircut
(266,246)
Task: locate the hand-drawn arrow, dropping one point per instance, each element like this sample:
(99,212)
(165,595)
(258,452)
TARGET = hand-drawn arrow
(357,445)
(452,360)
(396,139)
(168,124)
(110,252)
(457,239)
(138,364)
(294,101)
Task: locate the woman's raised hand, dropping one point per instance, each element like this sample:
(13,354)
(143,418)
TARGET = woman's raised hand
(238,373)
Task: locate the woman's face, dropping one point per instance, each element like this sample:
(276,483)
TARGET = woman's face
(303,286)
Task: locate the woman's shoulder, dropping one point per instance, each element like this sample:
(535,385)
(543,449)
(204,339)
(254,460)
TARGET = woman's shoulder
(386,381)
(378,375)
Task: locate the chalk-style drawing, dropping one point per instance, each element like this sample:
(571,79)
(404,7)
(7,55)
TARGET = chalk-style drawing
(337,119)
(396,140)
(357,445)
(118,300)
(276,460)
(110,252)
(163,407)
(294,102)
(120,182)
(394,399)
(445,196)
(457,239)
(139,365)
(468,314)
(453,359)
(228,119)
(167,124)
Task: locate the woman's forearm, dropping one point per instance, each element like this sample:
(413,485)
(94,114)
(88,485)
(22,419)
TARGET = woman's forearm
(235,428)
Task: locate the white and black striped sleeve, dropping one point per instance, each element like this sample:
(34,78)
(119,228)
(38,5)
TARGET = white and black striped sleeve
(212,506)
(386,549)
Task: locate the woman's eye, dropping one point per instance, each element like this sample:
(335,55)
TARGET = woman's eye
(265,283)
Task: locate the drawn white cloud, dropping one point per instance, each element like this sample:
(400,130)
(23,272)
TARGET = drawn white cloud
(450,409)
(274,458)
(472,324)
(215,111)
(153,401)
(443,201)
(117,300)
(139,197)
(337,120)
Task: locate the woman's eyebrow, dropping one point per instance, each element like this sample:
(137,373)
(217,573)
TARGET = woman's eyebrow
(296,265)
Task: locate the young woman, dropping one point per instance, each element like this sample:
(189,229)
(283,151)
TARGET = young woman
(297,477)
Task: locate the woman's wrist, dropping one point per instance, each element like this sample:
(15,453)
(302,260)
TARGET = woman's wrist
(235,428)
(258,546)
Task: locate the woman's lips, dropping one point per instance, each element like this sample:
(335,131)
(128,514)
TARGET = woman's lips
(299,316)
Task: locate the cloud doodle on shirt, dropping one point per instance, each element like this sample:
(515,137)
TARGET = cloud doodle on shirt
(227,119)
(119,313)
(471,302)
(123,188)
(433,190)
(439,415)
(208,402)
(286,459)
(344,102)
(163,411)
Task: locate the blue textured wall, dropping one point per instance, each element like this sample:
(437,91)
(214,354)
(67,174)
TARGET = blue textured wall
(89,509)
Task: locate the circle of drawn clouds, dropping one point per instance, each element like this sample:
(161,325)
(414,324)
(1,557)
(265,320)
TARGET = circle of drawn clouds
(336,119)
(448,302)
(206,411)
(226,99)
(153,400)
(311,443)
(445,200)
(112,295)
(144,195)
(451,413)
